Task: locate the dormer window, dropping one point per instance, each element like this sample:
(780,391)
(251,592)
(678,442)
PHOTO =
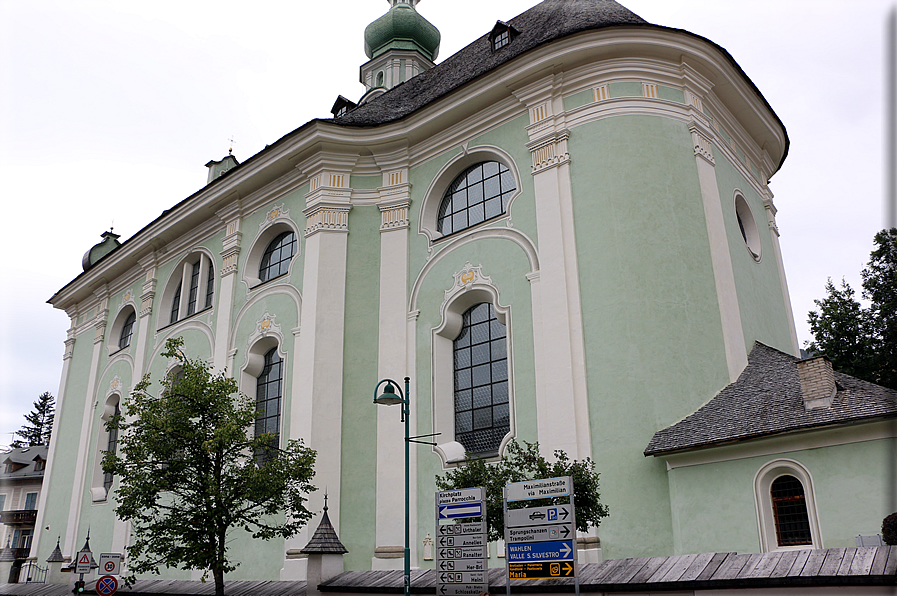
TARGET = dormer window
(501,35)
(342,106)
(39,464)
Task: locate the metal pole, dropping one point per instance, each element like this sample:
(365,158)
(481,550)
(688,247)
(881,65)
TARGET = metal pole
(407,416)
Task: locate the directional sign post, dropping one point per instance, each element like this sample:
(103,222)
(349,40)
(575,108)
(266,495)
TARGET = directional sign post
(540,542)
(461,568)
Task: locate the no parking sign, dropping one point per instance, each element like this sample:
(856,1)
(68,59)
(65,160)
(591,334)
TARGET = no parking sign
(107,585)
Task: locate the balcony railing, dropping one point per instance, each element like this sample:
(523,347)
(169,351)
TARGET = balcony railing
(21,553)
(21,517)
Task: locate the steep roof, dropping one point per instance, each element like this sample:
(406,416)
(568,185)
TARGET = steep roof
(545,22)
(766,400)
(324,541)
(23,461)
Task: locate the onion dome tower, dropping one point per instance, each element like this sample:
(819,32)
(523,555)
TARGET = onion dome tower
(400,45)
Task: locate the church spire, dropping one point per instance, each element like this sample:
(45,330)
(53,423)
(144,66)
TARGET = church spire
(400,45)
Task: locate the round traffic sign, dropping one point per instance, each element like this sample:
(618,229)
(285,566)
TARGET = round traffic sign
(107,585)
(109,567)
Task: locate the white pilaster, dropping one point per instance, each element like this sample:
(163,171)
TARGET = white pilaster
(84,444)
(390,521)
(230,251)
(720,257)
(777,249)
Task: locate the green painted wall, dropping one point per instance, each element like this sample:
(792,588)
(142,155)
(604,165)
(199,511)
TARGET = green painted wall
(358,472)
(578,99)
(506,264)
(646,281)
(671,94)
(764,315)
(625,89)
(714,508)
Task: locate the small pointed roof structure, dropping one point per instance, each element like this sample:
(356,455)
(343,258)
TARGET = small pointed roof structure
(56,555)
(7,555)
(324,541)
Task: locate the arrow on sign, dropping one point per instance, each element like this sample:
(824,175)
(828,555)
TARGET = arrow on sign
(564,514)
(442,589)
(565,549)
(568,568)
(461,510)
(565,531)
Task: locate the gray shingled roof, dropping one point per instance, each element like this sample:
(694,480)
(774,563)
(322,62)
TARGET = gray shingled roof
(547,21)
(822,567)
(766,400)
(23,457)
(324,541)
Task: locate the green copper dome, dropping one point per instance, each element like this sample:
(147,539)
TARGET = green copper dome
(402,28)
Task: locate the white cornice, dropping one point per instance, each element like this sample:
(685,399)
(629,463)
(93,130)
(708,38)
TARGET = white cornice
(464,113)
(784,443)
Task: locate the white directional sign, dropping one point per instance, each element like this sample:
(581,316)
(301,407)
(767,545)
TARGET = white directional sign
(461,589)
(461,577)
(478,527)
(82,564)
(465,495)
(471,552)
(462,540)
(540,533)
(461,548)
(461,565)
(540,489)
(538,516)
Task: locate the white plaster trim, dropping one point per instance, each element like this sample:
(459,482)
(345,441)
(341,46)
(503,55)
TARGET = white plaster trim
(287,289)
(180,327)
(470,287)
(264,327)
(451,170)
(797,441)
(514,236)
(118,322)
(763,479)
(266,234)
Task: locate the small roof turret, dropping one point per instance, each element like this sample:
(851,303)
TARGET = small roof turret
(56,555)
(324,541)
(402,28)
(98,251)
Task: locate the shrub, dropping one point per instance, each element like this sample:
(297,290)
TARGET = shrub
(889,529)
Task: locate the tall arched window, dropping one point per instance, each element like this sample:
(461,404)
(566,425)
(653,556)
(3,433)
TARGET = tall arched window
(482,416)
(127,331)
(111,446)
(480,193)
(789,508)
(267,397)
(276,259)
(191,287)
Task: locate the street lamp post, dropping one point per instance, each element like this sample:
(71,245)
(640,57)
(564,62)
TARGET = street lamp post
(389,398)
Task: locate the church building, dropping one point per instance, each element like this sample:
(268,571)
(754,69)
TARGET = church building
(562,233)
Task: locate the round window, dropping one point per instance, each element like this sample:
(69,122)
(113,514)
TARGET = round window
(748,227)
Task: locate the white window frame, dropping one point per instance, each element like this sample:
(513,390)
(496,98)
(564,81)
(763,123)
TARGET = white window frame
(98,493)
(270,229)
(255,363)
(763,480)
(448,174)
(181,275)
(459,299)
(115,331)
(751,238)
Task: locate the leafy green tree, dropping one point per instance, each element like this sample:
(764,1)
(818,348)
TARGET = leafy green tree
(191,474)
(521,463)
(38,423)
(862,341)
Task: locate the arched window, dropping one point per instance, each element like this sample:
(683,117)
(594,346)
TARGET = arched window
(111,446)
(186,292)
(267,397)
(480,193)
(789,508)
(127,330)
(786,507)
(276,259)
(482,416)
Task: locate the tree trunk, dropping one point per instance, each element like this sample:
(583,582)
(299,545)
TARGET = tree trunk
(219,581)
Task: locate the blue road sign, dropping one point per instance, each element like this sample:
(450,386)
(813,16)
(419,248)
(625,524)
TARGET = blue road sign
(474,509)
(558,550)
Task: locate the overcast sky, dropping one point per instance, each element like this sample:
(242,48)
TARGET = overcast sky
(110,108)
